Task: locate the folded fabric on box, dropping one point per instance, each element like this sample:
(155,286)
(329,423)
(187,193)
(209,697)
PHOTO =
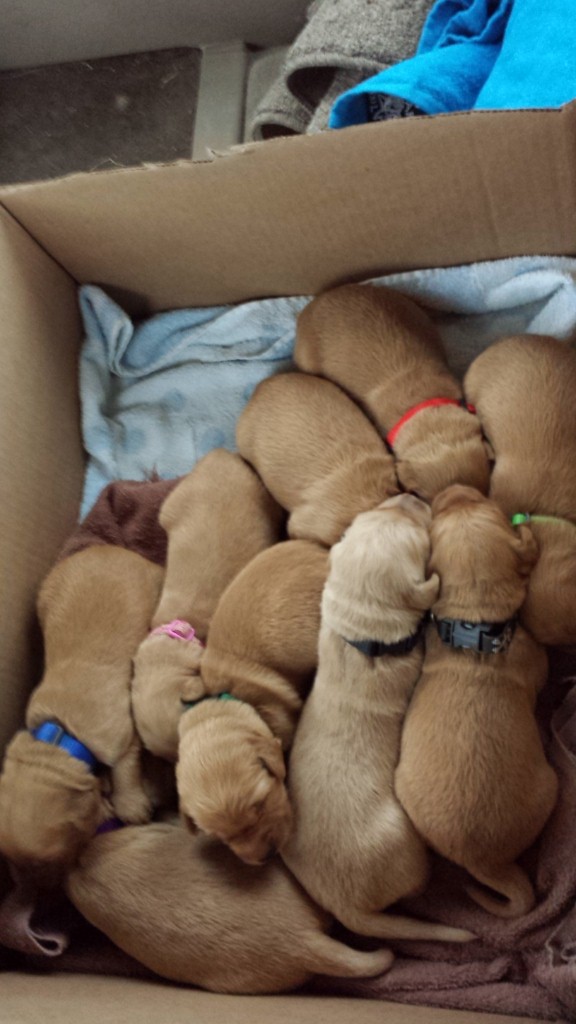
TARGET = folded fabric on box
(476,54)
(343,42)
(459,45)
(158,395)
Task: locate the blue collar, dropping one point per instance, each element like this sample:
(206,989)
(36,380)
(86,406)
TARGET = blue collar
(54,734)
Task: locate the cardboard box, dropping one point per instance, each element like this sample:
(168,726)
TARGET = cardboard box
(284,217)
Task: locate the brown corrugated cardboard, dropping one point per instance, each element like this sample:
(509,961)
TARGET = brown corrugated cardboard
(63,1000)
(41,459)
(298,214)
(285,217)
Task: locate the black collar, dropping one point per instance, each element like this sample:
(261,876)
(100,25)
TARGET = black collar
(482,637)
(377,648)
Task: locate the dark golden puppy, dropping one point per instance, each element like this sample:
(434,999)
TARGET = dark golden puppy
(523,388)
(94,608)
(317,454)
(472,774)
(259,660)
(217,518)
(192,912)
(385,352)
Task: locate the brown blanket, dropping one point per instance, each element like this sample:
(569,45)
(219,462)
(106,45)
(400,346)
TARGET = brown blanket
(125,514)
(525,967)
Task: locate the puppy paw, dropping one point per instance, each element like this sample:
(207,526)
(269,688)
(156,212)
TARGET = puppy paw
(134,808)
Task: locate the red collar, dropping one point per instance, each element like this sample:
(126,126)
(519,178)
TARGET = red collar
(429,403)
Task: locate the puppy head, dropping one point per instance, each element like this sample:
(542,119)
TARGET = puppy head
(549,612)
(482,560)
(427,462)
(163,670)
(356,485)
(377,578)
(50,806)
(230,777)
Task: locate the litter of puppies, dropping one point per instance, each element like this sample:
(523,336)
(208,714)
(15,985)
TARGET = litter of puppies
(340,659)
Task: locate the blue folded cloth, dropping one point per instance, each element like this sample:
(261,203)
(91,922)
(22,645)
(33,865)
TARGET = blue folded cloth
(459,45)
(536,66)
(158,395)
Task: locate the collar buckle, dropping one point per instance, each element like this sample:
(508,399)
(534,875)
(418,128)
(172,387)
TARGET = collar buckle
(56,736)
(482,637)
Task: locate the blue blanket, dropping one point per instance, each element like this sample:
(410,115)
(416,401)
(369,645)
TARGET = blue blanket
(158,395)
(475,54)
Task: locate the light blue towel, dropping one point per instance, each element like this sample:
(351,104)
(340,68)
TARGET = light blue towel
(159,395)
(459,45)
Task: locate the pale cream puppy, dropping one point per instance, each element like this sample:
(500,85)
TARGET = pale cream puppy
(523,388)
(217,519)
(473,775)
(383,349)
(316,452)
(94,609)
(261,654)
(353,848)
(188,909)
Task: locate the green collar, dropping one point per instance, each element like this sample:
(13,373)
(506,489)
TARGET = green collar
(525,517)
(187,704)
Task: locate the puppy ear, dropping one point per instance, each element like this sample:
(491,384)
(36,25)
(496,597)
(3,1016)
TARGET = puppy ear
(271,757)
(456,494)
(193,688)
(425,594)
(189,823)
(526,545)
(490,453)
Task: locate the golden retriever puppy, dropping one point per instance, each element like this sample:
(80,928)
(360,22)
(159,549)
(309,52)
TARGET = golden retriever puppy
(217,519)
(523,388)
(317,454)
(192,912)
(472,774)
(259,660)
(94,608)
(353,848)
(385,352)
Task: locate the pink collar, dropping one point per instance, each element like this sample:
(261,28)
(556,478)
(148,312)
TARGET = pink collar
(178,629)
(428,404)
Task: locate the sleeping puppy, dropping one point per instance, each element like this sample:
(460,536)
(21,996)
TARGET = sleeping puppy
(317,454)
(472,774)
(94,608)
(523,388)
(217,518)
(193,913)
(353,848)
(259,660)
(385,352)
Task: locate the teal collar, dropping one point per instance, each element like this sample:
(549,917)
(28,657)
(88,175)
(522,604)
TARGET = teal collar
(187,704)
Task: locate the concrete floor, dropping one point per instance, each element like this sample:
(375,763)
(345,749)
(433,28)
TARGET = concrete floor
(88,115)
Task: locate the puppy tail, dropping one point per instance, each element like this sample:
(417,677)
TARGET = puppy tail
(395,926)
(512,883)
(335,959)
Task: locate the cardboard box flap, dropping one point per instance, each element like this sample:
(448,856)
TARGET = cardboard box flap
(59,999)
(41,459)
(296,215)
